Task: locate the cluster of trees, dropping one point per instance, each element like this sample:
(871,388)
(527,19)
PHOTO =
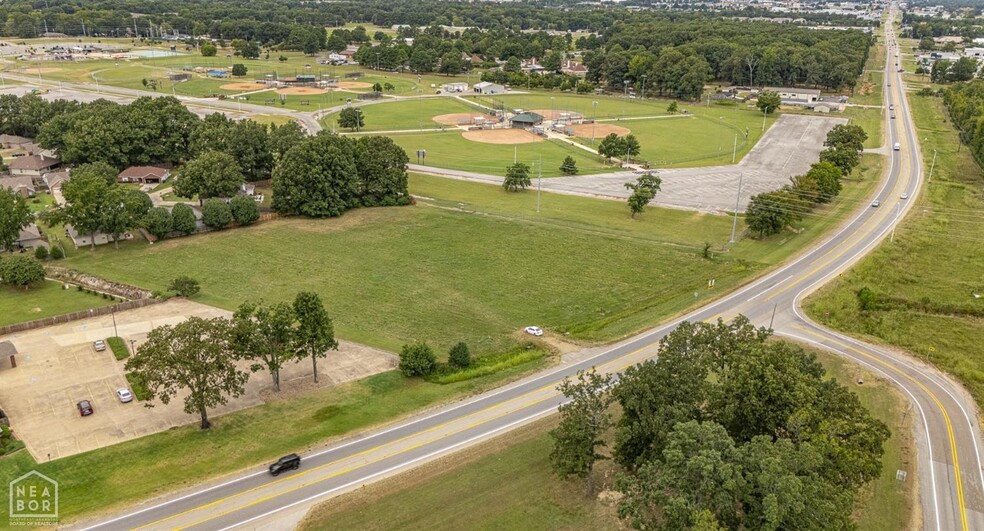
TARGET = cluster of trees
(325,175)
(770,212)
(725,429)
(944,71)
(619,147)
(20,271)
(15,214)
(920,27)
(96,203)
(965,104)
(200,357)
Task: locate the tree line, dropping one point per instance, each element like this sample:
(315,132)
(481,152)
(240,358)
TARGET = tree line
(202,358)
(725,429)
(965,104)
(769,213)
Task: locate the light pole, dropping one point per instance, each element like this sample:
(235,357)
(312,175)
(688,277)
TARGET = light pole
(734,150)
(594,119)
(932,166)
(377,61)
(734,224)
(763,120)
(552,109)
(420,114)
(644,76)
(539,182)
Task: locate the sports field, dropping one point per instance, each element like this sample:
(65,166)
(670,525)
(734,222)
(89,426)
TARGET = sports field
(417,113)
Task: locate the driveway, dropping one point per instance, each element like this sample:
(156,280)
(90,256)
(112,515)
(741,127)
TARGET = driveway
(57,367)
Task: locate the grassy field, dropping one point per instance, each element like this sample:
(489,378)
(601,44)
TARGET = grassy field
(869,119)
(531,497)
(103,480)
(450,150)
(45,300)
(407,114)
(928,276)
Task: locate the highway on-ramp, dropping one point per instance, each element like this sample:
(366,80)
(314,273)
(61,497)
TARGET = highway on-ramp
(943,418)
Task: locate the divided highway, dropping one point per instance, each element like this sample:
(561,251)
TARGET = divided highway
(943,417)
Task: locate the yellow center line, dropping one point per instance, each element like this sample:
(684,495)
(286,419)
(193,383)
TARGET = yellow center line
(958,480)
(619,359)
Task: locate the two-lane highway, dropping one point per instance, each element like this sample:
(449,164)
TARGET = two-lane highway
(943,419)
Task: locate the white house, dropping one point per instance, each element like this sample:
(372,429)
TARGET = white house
(486,87)
(795,96)
(83,240)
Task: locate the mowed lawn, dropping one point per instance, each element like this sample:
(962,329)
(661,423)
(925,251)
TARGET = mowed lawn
(44,300)
(407,114)
(449,149)
(530,496)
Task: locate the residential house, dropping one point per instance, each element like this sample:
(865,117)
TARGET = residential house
(795,96)
(13,141)
(22,185)
(34,165)
(486,87)
(84,240)
(55,179)
(572,68)
(30,238)
(144,175)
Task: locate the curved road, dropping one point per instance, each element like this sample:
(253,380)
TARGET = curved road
(943,417)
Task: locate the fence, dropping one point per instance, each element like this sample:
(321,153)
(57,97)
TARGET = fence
(75,316)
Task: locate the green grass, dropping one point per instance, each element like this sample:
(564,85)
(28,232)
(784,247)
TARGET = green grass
(407,114)
(530,496)
(91,482)
(451,150)
(929,274)
(44,300)
(140,391)
(120,352)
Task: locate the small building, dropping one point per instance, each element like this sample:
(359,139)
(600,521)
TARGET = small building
(34,165)
(572,68)
(525,119)
(84,240)
(30,238)
(179,76)
(795,96)
(55,179)
(486,87)
(455,87)
(976,53)
(144,175)
(14,141)
(21,185)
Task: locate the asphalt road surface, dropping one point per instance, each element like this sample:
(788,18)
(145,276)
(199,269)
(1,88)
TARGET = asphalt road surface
(943,417)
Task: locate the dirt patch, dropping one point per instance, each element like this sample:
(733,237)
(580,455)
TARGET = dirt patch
(597,130)
(354,85)
(502,136)
(41,70)
(865,88)
(458,118)
(302,91)
(243,86)
(556,114)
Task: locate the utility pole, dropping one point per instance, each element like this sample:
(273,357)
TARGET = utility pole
(515,152)
(898,210)
(539,183)
(773,319)
(734,150)
(734,224)
(932,166)
(763,120)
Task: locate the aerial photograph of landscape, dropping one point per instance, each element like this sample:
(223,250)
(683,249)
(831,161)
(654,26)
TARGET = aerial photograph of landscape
(492,265)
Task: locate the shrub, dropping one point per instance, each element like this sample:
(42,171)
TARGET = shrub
(183,219)
(459,357)
(138,387)
(185,286)
(672,108)
(417,360)
(56,253)
(867,299)
(216,213)
(159,222)
(21,271)
(41,252)
(244,210)
(118,347)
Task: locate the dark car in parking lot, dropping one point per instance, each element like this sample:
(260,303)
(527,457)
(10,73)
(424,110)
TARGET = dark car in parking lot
(287,462)
(84,407)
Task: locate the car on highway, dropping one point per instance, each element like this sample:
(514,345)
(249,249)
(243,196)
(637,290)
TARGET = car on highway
(533,331)
(124,395)
(287,462)
(891,106)
(876,203)
(84,407)
(893,115)
(905,195)
(99,345)
(897,147)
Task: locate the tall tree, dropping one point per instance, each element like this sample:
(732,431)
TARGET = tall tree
(315,333)
(84,194)
(193,356)
(262,335)
(584,419)
(382,166)
(15,214)
(517,177)
(643,191)
(211,174)
(317,178)
(768,101)
(351,118)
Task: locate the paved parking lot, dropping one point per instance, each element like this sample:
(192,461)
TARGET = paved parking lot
(57,366)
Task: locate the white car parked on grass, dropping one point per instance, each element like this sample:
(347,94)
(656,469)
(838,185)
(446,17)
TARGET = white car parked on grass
(533,331)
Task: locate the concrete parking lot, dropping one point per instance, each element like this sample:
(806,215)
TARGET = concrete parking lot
(57,366)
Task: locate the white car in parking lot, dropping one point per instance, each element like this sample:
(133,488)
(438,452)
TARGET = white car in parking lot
(124,395)
(533,331)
